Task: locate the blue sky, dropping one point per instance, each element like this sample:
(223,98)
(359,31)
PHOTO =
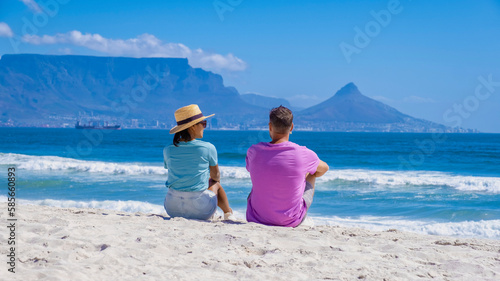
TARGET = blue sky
(429,59)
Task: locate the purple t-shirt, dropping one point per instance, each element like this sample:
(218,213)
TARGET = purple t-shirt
(278,173)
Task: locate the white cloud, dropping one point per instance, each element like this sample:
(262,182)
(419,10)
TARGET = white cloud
(32,5)
(417,99)
(145,45)
(5,30)
(304,101)
(409,99)
(382,99)
(264,95)
(305,97)
(65,51)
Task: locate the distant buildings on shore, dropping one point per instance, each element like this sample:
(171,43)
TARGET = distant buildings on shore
(69,122)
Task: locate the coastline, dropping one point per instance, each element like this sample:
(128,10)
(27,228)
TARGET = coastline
(266,129)
(94,244)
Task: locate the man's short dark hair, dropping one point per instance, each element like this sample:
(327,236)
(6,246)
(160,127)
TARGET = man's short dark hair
(281,118)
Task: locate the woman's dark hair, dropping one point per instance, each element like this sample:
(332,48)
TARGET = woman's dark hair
(182,136)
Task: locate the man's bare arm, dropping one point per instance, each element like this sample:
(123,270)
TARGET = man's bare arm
(215,173)
(322,169)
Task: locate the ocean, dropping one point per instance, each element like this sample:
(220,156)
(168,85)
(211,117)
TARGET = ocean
(437,184)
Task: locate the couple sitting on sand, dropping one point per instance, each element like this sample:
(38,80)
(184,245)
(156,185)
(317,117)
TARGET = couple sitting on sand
(283,173)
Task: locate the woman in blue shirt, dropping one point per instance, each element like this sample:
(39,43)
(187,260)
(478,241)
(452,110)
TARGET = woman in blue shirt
(194,189)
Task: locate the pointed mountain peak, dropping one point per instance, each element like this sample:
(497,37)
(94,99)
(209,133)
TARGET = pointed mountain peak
(348,90)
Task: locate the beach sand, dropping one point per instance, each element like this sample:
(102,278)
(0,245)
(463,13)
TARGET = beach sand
(90,244)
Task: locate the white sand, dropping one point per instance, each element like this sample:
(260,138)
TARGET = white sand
(90,244)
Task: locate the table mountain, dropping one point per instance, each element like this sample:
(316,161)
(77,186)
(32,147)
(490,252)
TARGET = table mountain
(44,86)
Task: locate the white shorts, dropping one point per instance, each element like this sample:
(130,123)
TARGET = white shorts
(200,205)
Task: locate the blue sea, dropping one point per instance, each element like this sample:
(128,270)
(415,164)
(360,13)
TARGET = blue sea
(438,184)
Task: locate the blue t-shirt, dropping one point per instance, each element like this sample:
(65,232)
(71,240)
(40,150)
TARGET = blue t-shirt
(188,165)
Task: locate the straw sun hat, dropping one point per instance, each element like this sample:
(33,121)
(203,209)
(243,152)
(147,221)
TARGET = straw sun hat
(187,116)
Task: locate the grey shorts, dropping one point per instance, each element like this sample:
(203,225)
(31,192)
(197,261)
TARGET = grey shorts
(200,205)
(308,194)
(308,198)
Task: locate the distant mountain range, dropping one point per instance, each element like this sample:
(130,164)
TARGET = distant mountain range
(349,110)
(268,102)
(38,90)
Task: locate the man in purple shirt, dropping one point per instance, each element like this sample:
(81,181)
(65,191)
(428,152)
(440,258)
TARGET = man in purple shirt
(283,175)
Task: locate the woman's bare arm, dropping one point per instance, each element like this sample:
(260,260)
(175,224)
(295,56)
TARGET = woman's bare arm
(215,173)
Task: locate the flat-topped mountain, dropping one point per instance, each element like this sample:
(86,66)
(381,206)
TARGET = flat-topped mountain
(41,86)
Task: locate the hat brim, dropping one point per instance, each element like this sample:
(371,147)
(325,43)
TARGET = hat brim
(187,125)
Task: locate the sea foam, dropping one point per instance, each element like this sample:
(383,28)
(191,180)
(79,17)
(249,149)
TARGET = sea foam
(482,228)
(128,206)
(414,178)
(382,179)
(56,163)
